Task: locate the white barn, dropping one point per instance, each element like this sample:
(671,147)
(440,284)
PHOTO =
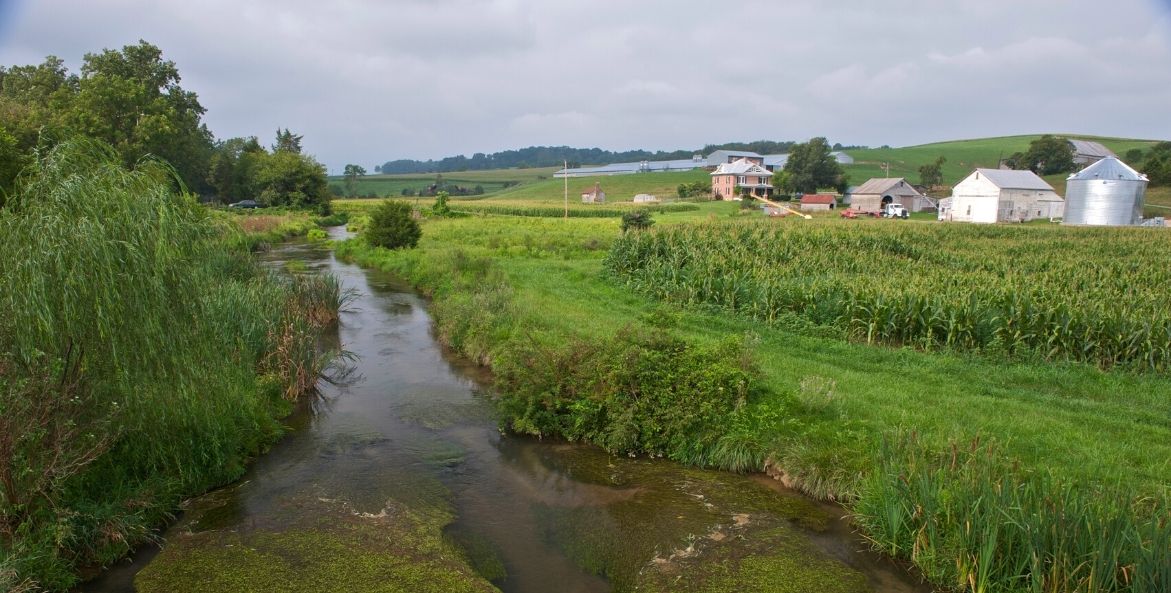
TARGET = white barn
(996,195)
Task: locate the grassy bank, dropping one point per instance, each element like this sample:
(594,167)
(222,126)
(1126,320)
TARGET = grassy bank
(144,357)
(579,356)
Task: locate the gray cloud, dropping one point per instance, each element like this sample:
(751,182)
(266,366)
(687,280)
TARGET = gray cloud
(368,81)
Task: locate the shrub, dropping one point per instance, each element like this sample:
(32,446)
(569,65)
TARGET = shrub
(441,208)
(392,227)
(638,220)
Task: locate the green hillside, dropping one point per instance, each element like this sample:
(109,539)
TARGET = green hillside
(962,156)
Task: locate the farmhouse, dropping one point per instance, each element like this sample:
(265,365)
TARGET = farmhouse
(593,196)
(880,191)
(995,195)
(730,180)
(818,202)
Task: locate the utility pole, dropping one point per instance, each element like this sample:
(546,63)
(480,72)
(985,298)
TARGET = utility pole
(565,177)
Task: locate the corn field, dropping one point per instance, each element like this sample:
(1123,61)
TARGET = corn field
(534,210)
(1092,295)
(577,211)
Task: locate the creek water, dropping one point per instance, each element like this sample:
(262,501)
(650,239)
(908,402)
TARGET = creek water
(414,424)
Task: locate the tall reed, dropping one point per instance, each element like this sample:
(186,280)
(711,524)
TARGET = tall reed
(132,348)
(970,520)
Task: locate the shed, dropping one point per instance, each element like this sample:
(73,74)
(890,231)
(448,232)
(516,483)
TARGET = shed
(879,191)
(593,196)
(645,199)
(818,202)
(995,195)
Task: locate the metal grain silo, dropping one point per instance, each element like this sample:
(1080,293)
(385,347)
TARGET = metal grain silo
(1107,192)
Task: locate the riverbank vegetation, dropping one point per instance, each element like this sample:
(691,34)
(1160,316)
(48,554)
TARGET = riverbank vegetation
(144,357)
(991,467)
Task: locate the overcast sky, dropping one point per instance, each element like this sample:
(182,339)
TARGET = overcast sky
(369,81)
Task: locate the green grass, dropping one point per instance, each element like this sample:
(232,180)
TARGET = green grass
(821,405)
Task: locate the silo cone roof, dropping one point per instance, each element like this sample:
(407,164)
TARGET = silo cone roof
(1108,168)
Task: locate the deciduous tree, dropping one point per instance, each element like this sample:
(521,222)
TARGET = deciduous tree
(131,99)
(931,174)
(1047,155)
(351,176)
(811,166)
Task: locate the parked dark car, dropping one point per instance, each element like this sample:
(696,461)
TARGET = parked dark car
(246,204)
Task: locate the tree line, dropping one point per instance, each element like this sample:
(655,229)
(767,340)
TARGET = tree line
(131,99)
(556,156)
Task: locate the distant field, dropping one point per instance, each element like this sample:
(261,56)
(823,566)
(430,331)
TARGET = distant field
(962,156)
(618,188)
(491,181)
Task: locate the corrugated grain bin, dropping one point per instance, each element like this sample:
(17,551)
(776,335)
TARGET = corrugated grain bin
(1107,193)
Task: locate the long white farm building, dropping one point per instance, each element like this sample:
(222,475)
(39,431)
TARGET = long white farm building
(772,162)
(997,195)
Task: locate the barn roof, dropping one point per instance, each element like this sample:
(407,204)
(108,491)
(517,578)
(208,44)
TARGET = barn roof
(818,199)
(1088,148)
(1009,179)
(880,185)
(1108,168)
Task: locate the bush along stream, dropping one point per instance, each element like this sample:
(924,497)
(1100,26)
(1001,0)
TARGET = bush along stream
(969,515)
(144,357)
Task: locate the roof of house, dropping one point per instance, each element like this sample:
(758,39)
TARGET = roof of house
(881,185)
(1010,179)
(740,167)
(818,199)
(596,189)
(1090,149)
(1108,168)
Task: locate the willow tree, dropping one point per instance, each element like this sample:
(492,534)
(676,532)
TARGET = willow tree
(128,353)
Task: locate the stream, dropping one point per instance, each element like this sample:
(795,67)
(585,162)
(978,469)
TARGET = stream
(403,458)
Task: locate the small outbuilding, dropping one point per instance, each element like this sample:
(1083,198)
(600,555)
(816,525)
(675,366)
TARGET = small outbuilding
(996,195)
(877,192)
(593,196)
(645,199)
(818,202)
